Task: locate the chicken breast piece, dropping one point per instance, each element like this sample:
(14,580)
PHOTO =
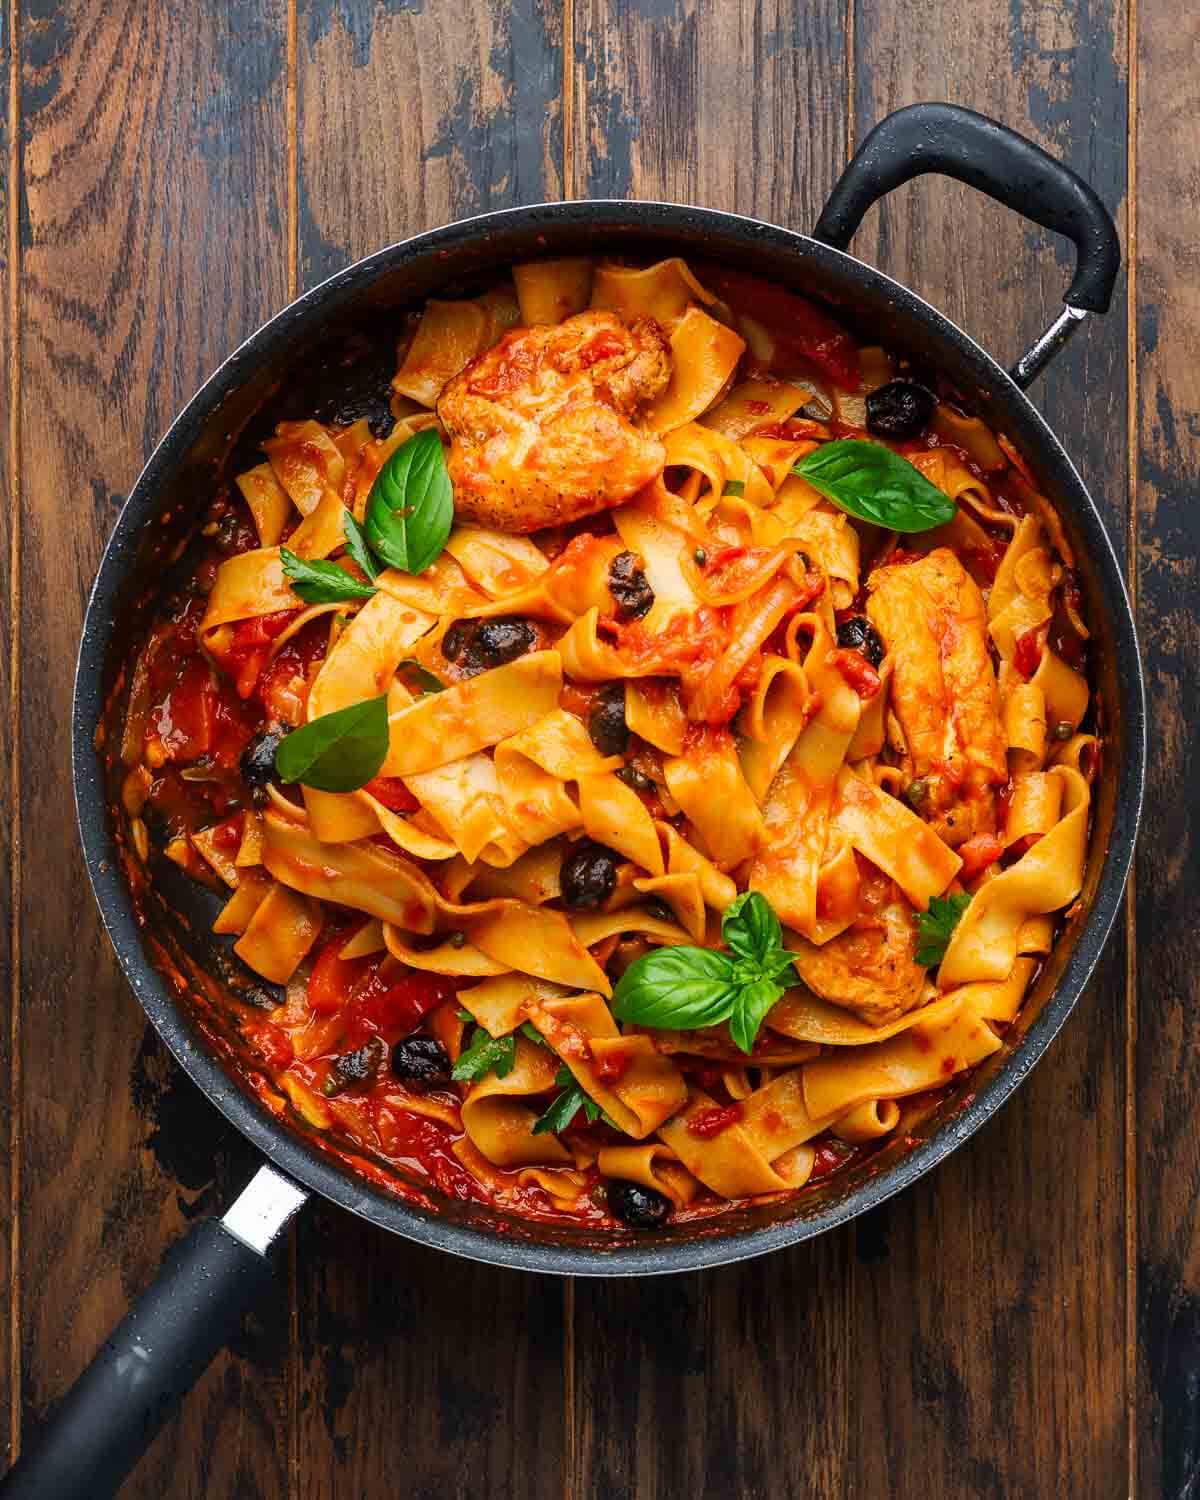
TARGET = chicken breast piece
(542,425)
(933,622)
(870,969)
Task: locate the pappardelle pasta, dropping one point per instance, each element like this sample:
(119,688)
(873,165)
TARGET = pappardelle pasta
(646,754)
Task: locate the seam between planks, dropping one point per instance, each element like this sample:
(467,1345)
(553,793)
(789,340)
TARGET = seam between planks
(291,129)
(570,186)
(1131,987)
(570,189)
(14,479)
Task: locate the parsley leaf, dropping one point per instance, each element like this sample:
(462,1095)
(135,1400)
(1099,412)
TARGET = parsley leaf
(321,582)
(563,1110)
(485,1054)
(356,546)
(531,1033)
(935,927)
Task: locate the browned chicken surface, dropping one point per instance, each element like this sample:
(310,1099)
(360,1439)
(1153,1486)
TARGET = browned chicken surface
(542,426)
(869,969)
(933,622)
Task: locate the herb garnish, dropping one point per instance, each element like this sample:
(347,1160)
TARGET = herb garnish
(873,483)
(935,927)
(411,506)
(321,582)
(338,752)
(567,1105)
(681,989)
(356,546)
(486,1053)
(427,681)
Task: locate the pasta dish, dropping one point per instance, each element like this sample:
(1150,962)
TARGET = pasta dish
(644,750)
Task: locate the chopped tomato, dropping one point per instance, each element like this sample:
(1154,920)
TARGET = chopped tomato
(980,851)
(183,721)
(1028,654)
(799,328)
(710,1122)
(612,1066)
(391,791)
(828,1157)
(228,835)
(333,978)
(857,671)
(270,1042)
(397,1006)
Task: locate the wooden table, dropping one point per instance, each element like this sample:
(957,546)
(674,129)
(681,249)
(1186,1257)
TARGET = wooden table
(1026,1321)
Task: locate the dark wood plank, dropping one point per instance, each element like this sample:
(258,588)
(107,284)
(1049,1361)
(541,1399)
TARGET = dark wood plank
(991,1327)
(402,1386)
(747,1369)
(153,150)
(9,521)
(738,106)
(410,119)
(1168,869)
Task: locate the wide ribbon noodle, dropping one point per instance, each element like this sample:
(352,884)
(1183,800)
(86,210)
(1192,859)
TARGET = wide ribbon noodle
(603,726)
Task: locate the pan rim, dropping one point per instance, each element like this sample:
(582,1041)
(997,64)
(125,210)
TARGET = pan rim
(340,1185)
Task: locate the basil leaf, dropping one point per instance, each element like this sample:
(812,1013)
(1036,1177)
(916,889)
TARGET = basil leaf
(750,928)
(677,989)
(486,1053)
(356,546)
(321,582)
(411,506)
(875,484)
(338,752)
(753,1003)
(429,683)
(935,927)
(562,1111)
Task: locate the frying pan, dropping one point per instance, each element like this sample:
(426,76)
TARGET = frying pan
(187,983)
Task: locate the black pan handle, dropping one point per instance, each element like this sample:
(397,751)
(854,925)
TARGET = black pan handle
(112,1413)
(984,154)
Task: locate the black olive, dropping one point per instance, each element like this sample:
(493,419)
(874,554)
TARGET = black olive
(627,581)
(458,638)
(858,634)
(478,645)
(421,1062)
(639,1207)
(606,722)
(635,780)
(588,876)
(257,765)
(503,640)
(359,1066)
(900,409)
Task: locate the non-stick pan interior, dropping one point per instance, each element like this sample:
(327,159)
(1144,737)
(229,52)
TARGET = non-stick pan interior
(332,354)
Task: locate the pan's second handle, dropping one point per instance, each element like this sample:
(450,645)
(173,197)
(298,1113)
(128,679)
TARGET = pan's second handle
(109,1417)
(957,142)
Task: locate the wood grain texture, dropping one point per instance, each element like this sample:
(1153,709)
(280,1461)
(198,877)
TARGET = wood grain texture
(419,1374)
(1015,1247)
(9,770)
(412,116)
(738,106)
(737,1382)
(152,154)
(1168,867)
